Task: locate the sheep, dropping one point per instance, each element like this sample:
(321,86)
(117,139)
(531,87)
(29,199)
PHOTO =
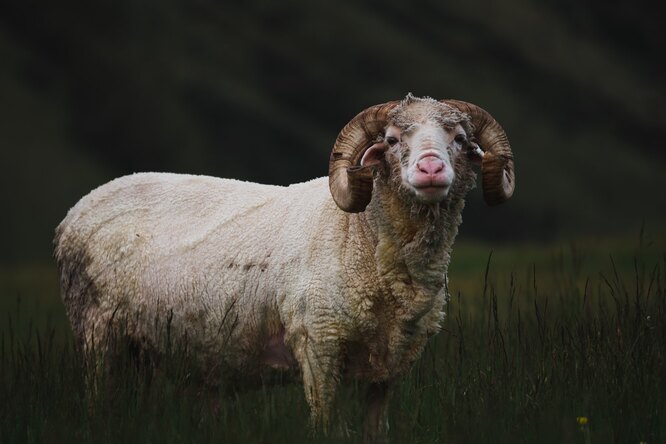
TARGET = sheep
(331,279)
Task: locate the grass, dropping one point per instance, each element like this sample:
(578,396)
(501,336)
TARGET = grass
(541,344)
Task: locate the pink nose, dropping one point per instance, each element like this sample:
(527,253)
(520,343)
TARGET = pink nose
(430,165)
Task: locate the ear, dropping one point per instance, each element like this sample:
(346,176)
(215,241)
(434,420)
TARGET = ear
(475,153)
(374,155)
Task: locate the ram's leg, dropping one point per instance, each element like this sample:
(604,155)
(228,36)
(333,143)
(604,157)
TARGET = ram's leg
(319,361)
(375,427)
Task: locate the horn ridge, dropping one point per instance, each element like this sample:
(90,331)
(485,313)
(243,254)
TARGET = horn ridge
(497,166)
(349,183)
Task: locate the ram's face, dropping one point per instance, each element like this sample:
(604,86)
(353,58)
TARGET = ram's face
(421,142)
(427,152)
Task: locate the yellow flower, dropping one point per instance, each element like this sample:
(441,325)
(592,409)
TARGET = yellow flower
(582,420)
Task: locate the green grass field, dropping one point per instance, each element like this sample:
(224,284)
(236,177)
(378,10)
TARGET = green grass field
(542,343)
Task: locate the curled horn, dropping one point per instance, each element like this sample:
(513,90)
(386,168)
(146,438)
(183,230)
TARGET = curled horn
(497,165)
(349,182)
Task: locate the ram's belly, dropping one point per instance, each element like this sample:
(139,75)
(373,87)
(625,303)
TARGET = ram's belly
(237,344)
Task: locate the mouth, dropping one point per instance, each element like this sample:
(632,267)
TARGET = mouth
(428,184)
(432,188)
(431,193)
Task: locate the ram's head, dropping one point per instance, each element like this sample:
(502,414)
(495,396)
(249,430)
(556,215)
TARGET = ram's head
(425,136)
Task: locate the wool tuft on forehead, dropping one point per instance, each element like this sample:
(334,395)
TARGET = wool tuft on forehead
(417,110)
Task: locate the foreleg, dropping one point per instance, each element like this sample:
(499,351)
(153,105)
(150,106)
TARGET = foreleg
(375,426)
(319,359)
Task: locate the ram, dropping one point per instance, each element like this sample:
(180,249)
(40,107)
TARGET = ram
(333,279)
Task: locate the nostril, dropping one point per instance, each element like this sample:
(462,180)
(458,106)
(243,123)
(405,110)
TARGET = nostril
(430,165)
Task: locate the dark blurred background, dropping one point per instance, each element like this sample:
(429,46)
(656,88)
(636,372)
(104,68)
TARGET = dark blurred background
(259,89)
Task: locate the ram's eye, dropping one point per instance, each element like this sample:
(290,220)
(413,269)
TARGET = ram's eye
(461,139)
(391,140)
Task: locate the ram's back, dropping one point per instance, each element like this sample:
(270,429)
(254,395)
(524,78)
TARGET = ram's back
(184,247)
(165,207)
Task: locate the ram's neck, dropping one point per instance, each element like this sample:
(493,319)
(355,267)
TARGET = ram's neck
(413,242)
(412,245)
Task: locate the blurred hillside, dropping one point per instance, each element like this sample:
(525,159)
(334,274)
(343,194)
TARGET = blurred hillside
(258,90)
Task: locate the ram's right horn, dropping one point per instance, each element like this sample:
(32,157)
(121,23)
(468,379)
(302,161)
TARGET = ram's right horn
(349,182)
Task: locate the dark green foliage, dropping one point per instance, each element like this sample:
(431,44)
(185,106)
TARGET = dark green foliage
(521,357)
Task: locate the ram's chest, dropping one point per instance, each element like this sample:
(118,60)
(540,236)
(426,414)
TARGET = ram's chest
(394,338)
